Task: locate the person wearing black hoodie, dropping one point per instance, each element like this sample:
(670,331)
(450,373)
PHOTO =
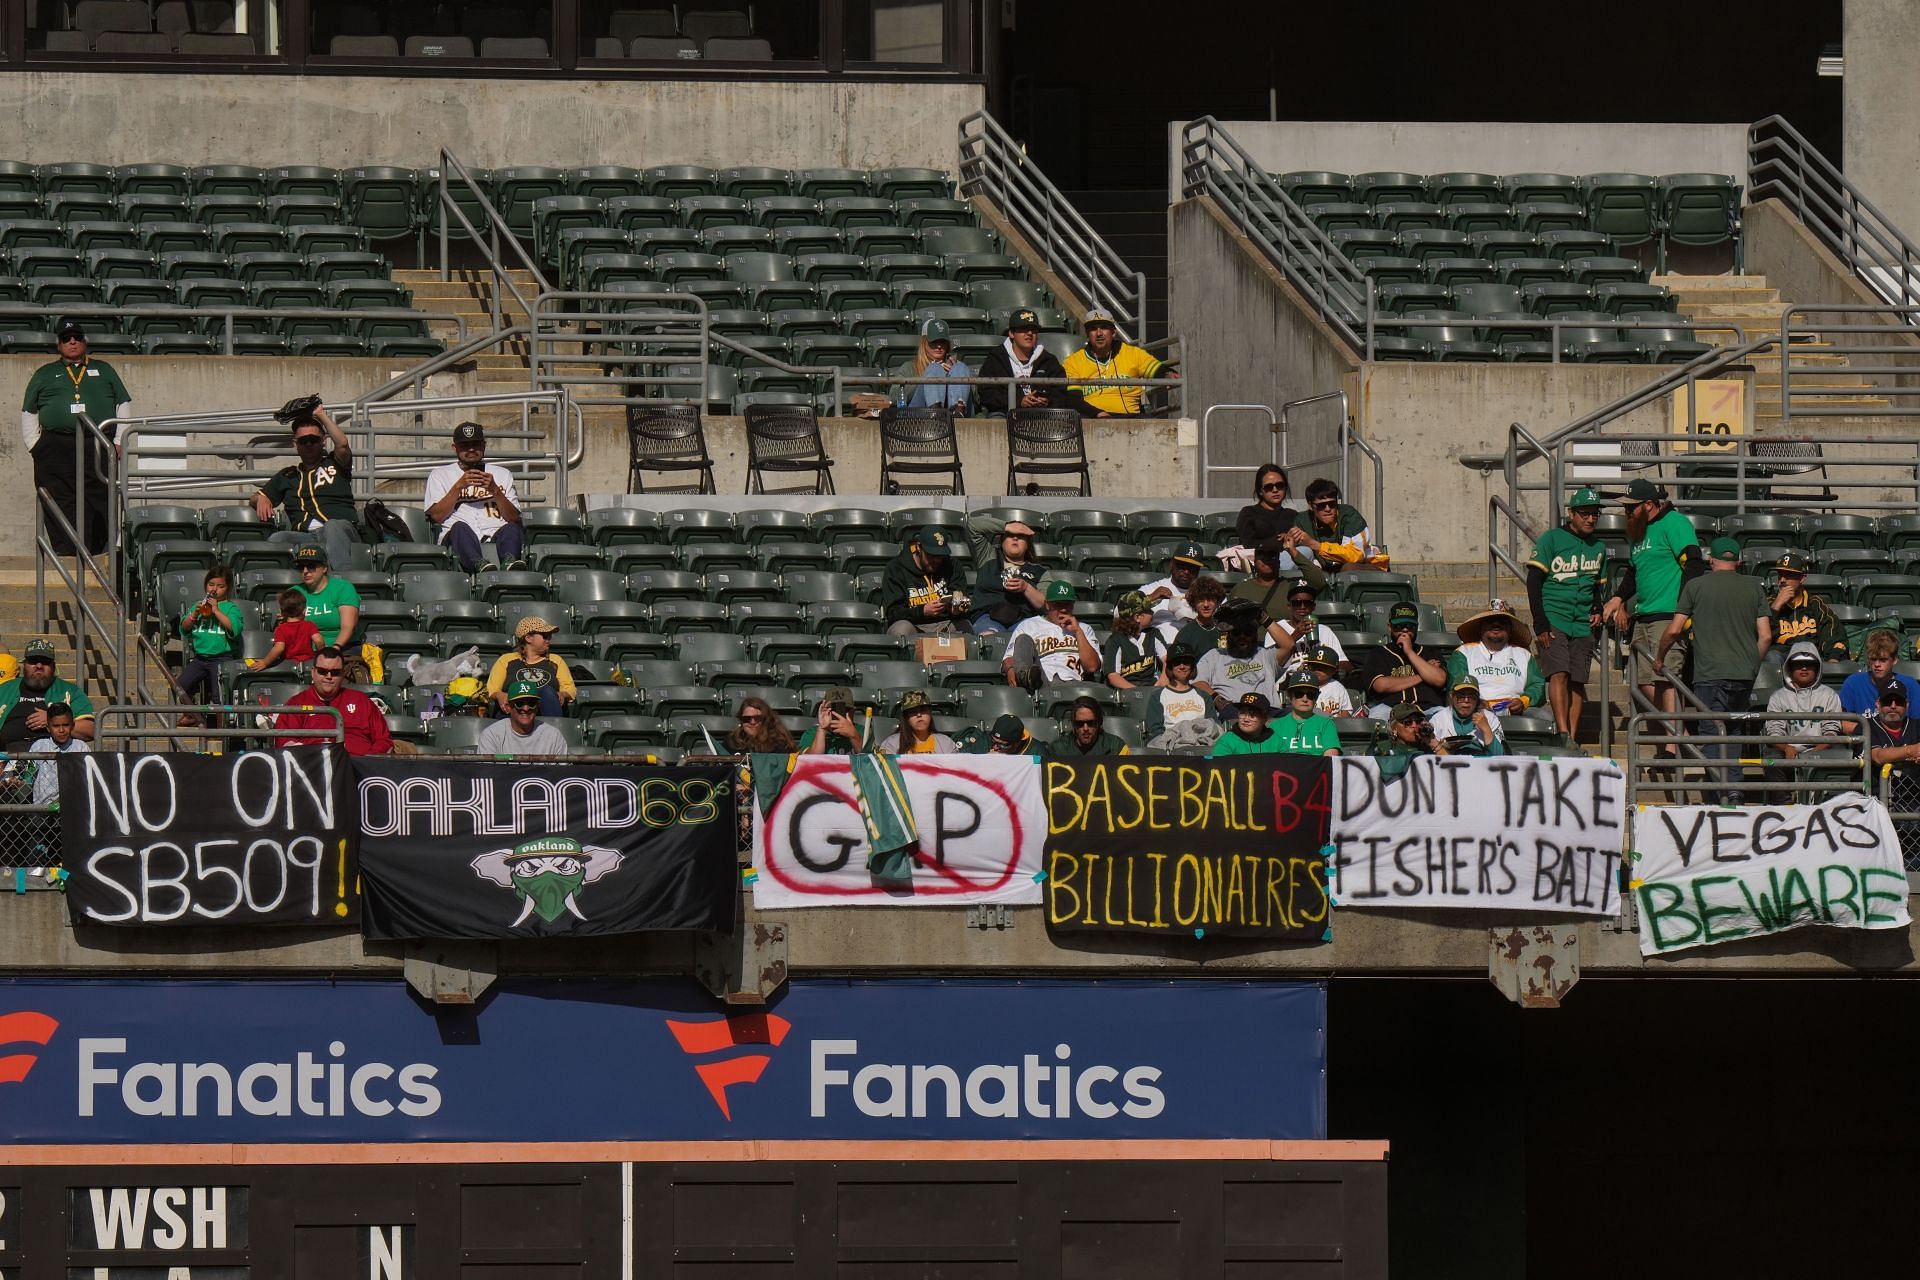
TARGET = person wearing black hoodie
(1020,355)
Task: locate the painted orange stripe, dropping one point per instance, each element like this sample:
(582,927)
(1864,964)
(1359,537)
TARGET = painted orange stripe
(662,1152)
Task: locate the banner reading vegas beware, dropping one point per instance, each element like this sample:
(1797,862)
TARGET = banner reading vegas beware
(459,848)
(1178,847)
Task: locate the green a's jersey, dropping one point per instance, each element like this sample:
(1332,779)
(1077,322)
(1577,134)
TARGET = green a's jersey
(1657,571)
(1574,567)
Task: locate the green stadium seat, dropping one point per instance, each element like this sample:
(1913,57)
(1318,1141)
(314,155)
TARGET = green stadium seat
(641,213)
(66,291)
(922,212)
(1671,341)
(1500,246)
(175,237)
(1595,270)
(699,212)
(35,262)
(1568,245)
(950,240)
(81,206)
(350,294)
(1878,591)
(86,237)
(1625,206)
(1553,297)
(1426,243)
(1478,217)
(873,241)
(800,241)
(681,181)
(1340,215)
(1540,217)
(303,210)
(213,209)
(1451,273)
(1594,340)
(1851,563)
(1452,337)
(173,344)
(1406,215)
(846,212)
(1631,298)
(32,233)
(1390,268)
(249,237)
(19,178)
(1700,209)
(1523,187)
(1521,272)
(263,268)
(729,240)
(139,209)
(823,184)
(1398,299)
(775,212)
(606,181)
(122,264)
(751,182)
(1309,187)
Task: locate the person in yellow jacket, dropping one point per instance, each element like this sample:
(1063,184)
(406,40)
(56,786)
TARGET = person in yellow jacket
(1106,357)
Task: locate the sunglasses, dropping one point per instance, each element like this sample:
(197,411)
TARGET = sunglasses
(1275,486)
(1322,503)
(1024,537)
(310,568)
(36,662)
(528,705)
(752,719)
(329,671)
(306,440)
(1304,602)
(1085,724)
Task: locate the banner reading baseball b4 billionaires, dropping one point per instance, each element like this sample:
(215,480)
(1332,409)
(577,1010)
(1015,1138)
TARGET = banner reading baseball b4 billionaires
(455,848)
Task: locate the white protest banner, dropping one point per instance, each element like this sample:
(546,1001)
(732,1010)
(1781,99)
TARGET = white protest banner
(1707,875)
(1507,833)
(982,824)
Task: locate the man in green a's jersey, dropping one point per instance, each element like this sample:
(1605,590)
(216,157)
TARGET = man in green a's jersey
(1565,579)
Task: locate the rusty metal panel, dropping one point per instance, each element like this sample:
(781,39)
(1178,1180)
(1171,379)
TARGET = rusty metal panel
(1535,966)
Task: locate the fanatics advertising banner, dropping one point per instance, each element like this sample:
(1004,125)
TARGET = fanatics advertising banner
(1709,875)
(259,838)
(979,824)
(1507,833)
(257,1061)
(461,848)
(1175,846)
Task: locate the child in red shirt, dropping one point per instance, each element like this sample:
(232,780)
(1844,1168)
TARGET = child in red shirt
(294,638)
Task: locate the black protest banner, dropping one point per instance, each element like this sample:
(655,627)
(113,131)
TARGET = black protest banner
(259,838)
(1183,847)
(462,848)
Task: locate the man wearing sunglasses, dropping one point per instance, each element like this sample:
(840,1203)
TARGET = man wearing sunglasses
(316,492)
(360,717)
(1341,532)
(57,393)
(523,732)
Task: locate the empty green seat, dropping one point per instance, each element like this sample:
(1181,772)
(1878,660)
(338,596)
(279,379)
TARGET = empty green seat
(88,236)
(1631,297)
(1435,242)
(249,237)
(1700,209)
(1596,270)
(774,212)
(678,181)
(1316,186)
(227,179)
(1524,187)
(1551,297)
(1567,244)
(749,182)
(1472,217)
(823,184)
(517,187)
(606,181)
(168,237)
(1405,215)
(1521,272)
(1447,189)
(1625,206)
(1450,273)
(1542,216)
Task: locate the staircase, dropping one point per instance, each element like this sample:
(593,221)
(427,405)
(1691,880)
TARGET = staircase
(469,293)
(1747,301)
(1134,224)
(19,623)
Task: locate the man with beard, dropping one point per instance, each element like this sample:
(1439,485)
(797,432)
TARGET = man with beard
(1087,734)
(917,595)
(1401,670)
(1020,355)
(1664,555)
(1168,595)
(24,700)
(1894,743)
(1106,357)
(1493,651)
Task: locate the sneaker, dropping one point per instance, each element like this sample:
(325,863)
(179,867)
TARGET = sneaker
(486,566)
(514,564)
(189,720)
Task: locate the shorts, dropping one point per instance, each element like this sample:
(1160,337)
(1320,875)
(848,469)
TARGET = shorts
(1646,637)
(1569,655)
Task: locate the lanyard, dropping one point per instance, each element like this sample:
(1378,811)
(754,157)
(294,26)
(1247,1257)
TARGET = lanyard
(76,372)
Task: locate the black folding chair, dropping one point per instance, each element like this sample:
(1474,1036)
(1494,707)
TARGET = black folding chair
(785,439)
(919,442)
(1044,443)
(667,438)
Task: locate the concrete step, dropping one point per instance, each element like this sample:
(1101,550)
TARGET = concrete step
(1685,283)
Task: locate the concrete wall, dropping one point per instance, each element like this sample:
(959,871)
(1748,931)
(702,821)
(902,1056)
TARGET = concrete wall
(1496,147)
(359,120)
(1250,340)
(187,384)
(1880,149)
(1424,418)
(1151,458)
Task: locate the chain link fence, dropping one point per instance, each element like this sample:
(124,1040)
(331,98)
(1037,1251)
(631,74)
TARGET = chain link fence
(1900,792)
(29,819)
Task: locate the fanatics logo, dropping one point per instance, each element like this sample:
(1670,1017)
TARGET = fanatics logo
(702,1038)
(23,1028)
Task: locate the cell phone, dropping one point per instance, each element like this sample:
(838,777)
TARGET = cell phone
(472,464)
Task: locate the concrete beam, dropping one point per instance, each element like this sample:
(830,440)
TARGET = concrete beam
(873,941)
(1880,151)
(346,121)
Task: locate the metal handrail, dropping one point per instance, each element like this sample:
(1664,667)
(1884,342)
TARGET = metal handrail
(1783,165)
(1639,768)
(992,164)
(490,244)
(1213,164)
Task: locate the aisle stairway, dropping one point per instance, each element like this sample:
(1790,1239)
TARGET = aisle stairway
(1749,302)
(1134,225)
(19,623)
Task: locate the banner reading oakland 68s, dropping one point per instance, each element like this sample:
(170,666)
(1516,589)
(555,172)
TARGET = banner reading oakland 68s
(458,848)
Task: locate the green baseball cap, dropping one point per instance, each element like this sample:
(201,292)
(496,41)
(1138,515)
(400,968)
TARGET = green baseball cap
(1061,590)
(1192,553)
(523,691)
(933,541)
(1132,602)
(1403,613)
(1724,548)
(1583,497)
(546,847)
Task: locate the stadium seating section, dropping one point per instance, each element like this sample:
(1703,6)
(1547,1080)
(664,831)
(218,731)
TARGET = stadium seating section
(668,618)
(1475,252)
(166,238)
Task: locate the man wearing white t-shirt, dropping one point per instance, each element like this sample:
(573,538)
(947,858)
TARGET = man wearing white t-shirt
(1300,603)
(1168,595)
(1494,652)
(1054,646)
(473,502)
